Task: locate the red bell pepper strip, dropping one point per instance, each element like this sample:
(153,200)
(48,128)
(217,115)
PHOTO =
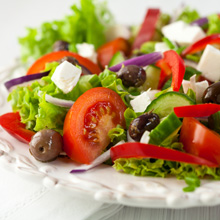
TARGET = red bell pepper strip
(140,150)
(199,140)
(39,64)
(106,51)
(201,44)
(172,63)
(148,27)
(200,110)
(11,122)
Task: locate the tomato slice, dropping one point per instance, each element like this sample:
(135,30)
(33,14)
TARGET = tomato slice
(39,64)
(106,52)
(140,150)
(199,140)
(11,122)
(88,122)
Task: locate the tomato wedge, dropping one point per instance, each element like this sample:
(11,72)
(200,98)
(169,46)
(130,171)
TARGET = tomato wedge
(88,122)
(200,110)
(106,52)
(11,122)
(140,150)
(39,64)
(201,44)
(199,140)
(148,28)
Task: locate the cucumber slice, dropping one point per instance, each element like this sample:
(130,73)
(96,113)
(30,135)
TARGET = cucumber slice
(164,104)
(166,130)
(116,59)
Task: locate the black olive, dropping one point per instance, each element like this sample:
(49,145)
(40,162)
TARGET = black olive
(145,122)
(46,145)
(212,94)
(60,45)
(72,60)
(132,75)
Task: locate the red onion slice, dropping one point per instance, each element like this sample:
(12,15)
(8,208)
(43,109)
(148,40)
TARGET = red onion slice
(200,22)
(24,79)
(99,160)
(59,102)
(142,61)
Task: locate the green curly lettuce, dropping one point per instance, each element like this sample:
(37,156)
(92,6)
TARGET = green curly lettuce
(87,23)
(213,24)
(188,15)
(162,168)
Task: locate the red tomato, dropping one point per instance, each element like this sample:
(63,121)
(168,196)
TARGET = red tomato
(39,64)
(106,52)
(88,122)
(140,150)
(11,122)
(199,140)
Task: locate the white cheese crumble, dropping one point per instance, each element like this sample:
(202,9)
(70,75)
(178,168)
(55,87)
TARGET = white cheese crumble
(183,33)
(66,76)
(145,137)
(209,63)
(161,47)
(87,51)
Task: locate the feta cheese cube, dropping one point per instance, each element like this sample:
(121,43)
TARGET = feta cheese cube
(66,76)
(209,63)
(198,87)
(117,30)
(140,102)
(145,137)
(161,47)
(87,51)
(183,33)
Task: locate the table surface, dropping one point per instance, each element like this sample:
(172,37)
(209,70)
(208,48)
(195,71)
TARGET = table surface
(15,15)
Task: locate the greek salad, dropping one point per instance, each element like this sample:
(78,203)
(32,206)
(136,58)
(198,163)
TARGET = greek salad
(144,99)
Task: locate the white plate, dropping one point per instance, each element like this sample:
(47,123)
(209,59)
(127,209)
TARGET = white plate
(102,183)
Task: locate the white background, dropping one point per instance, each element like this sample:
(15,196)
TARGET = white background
(15,15)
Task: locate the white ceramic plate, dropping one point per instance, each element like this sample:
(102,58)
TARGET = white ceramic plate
(102,183)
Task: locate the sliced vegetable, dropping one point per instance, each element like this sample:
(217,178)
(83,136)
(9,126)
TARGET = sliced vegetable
(200,110)
(200,141)
(24,79)
(201,44)
(142,61)
(59,102)
(105,52)
(86,126)
(168,127)
(177,67)
(164,104)
(39,65)
(117,58)
(11,122)
(148,28)
(200,22)
(140,150)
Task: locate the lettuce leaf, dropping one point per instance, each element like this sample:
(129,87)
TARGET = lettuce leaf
(87,23)
(189,15)
(214,24)
(162,168)
(117,134)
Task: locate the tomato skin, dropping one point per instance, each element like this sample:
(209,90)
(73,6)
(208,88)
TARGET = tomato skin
(11,122)
(77,145)
(199,140)
(39,64)
(106,51)
(140,150)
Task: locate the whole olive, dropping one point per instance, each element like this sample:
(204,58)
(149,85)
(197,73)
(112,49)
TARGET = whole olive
(72,60)
(46,145)
(145,122)
(60,45)
(132,75)
(212,94)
